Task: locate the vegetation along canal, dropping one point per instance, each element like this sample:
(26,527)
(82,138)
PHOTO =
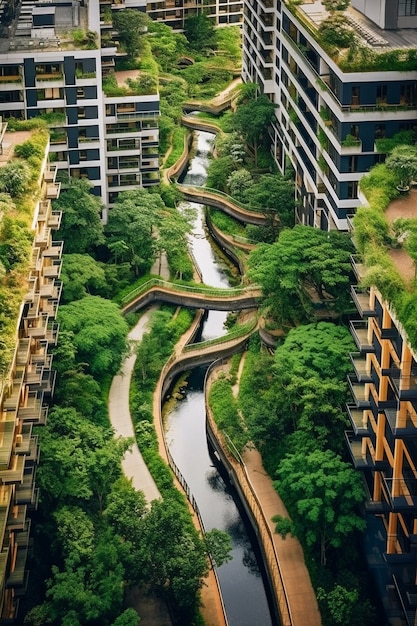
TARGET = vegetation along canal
(243,585)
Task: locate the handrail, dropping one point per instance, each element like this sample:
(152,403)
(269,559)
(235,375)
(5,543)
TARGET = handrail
(177,288)
(217,192)
(237,332)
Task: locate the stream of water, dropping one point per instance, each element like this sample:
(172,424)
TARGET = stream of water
(242,580)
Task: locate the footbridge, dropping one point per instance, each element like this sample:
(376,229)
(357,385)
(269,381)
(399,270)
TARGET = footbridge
(156,290)
(222,201)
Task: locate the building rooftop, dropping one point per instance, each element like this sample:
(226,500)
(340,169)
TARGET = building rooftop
(367,31)
(42,25)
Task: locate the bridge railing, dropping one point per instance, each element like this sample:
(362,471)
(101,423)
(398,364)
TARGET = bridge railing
(239,331)
(204,291)
(222,194)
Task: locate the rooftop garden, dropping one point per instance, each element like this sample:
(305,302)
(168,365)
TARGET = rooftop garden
(341,42)
(19,192)
(380,231)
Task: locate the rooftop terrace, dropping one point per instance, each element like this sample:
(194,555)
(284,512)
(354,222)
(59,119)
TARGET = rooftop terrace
(366,31)
(40,25)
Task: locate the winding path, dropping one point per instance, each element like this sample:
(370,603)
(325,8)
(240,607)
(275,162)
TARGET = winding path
(134,467)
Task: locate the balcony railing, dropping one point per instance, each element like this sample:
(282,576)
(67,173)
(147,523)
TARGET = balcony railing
(402,492)
(401,424)
(360,393)
(357,419)
(405,386)
(361,460)
(361,299)
(359,330)
(362,370)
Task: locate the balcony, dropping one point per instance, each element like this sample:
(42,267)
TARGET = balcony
(359,330)
(405,386)
(357,419)
(402,427)
(357,266)
(360,393)
(402,492)
(14,473)
(361,300)
(33,409)
(361,460)
(53,191)
(362,370)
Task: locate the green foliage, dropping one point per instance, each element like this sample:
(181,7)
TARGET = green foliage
(334,32)
(305,264)
(81,275)
(81,228)
(225,409)
(99,333)
(321,493)
(200,32)
(218,546)
(239,182)
(219,171)
(167,46)
(274,196)
(387,144)
(335,5)
(379,187)
(251,121)
(403,162)
(131,25)
(15,178)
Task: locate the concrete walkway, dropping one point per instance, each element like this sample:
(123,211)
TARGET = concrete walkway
(133,465)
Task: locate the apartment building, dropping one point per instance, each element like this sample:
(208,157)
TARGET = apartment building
(54,57)
(26,388)
(175,12)
(328,118)
(382,443)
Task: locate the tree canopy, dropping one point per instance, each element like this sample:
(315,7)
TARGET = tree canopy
(251,121)
(81,228)
(131,25)
(322,491)
(305,262)
(200,32)
(99,333)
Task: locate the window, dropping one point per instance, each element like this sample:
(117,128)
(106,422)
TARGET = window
(408,94)
(381,94)
(80,92)
(352,190)
(81,113)
(353,164)
(354,130)
(356,96)
(83,155)
(380,131)
(407,7)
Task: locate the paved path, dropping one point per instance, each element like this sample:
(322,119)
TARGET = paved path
(133,464)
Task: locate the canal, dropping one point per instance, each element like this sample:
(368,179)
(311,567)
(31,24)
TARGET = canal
(242,580)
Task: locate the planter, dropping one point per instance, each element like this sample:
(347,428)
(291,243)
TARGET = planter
(403,189)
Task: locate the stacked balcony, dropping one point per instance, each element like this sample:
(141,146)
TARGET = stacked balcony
(23,402)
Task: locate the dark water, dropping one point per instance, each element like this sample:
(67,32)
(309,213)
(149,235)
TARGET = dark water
(241,579)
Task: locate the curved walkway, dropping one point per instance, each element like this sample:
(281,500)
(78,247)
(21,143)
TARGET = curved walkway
(134,467)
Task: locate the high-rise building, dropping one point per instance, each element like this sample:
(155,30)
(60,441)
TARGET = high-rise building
(333,104)
(175,12)
(55,60)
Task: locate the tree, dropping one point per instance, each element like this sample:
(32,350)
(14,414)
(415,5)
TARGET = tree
(131,226)
(127,618)
(15,178)
(167,46)
(172,238)
(99,333)
(131,25)
(81,275)
(403,162)
(335,5)
(334,32)
(81,228)
(239,182)
(82,392)
(200,32)
(218,546)
(251,121)
(305,262)
(274,196)
(321,493)
(219,172)
(15,242)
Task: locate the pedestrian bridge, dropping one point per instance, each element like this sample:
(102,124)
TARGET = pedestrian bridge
(156,290)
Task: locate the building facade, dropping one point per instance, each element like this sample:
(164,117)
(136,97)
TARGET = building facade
(327,119)
(383,446)
(26,389)
(54,60)
(175,12)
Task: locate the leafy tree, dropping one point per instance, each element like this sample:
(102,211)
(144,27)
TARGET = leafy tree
(334,32)
(127,618)
(219,172)
(239,182)
(218,546)
(82,392)
(274,196)
(403,162)
(81,228)
(232,145)
(251,121)
(335,5)
(200,32)
(131,25)
(131,225)
(81,275)
(99,333)
(339,603)
(15,242)
(15,178)
(305,262)
(321,493)
(167,46)
(76,534)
